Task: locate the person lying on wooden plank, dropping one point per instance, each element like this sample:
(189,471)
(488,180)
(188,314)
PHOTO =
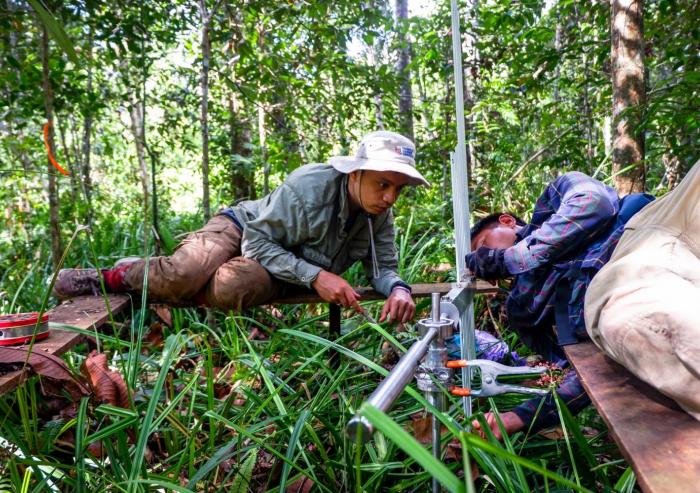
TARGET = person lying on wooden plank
(574,228)
(304,234)
(642,307)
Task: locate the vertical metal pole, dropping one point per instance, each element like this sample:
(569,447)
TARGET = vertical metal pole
(460,204)
(437,399)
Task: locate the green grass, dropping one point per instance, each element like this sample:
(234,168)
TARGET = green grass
(277,418)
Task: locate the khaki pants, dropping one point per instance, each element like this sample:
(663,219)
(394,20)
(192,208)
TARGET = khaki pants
(643,307)
(207,267)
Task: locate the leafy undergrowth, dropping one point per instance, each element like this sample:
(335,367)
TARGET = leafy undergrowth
(210,408)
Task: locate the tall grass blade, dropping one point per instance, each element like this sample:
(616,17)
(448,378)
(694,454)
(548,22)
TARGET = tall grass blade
(475,442)
(293,440)
(172,348)
(409,445)
(80,426)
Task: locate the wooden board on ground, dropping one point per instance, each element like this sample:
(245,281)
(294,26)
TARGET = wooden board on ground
(659,440)
(84,312)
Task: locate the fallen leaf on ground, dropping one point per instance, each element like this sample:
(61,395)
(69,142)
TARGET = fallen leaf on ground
(109,386)
(301,485)
(154,337)
(555,433)
(164,313)
(46,365)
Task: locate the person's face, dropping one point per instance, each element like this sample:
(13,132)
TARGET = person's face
(376,191)
(498,235)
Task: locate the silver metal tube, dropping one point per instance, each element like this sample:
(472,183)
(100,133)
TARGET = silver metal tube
(438,400)
(435,307)
(460,204)
(392,386)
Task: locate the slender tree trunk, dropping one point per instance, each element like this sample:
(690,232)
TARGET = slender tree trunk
(204,117)
(66,152)
(471,74)
(136,128)
(242,185)
(403,72)
(673,167)
(87,138)
(54,223)
(242,177)
(424,118)
(628,95)
(376,59)
(263,149)
(586,103)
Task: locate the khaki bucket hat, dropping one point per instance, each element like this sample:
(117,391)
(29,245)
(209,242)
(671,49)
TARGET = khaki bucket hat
(382,151)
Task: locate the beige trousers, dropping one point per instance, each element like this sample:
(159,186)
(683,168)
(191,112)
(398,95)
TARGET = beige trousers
(207,267)
(643,307)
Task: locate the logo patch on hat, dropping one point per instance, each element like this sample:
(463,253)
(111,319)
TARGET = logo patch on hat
(405,151)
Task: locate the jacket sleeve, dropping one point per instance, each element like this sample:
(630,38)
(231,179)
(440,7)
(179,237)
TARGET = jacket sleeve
(387,257)
(282,224)
(576,207)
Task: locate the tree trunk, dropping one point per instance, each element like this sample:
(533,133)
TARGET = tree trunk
(87,139)
(376,59)
(263,149)
(54,224)
(136,128)
(242,184)
(204,83)
(627,56)
(471,74)
(403,72)
(242,176)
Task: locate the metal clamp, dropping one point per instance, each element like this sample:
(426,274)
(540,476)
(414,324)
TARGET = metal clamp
(490,371)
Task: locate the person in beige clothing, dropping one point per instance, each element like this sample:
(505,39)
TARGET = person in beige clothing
(643,307)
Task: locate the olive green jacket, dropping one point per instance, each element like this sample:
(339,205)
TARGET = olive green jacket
(305,226)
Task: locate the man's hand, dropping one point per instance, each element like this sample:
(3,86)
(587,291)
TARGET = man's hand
(487,263)
(335,289)
(399,307)
(511,424)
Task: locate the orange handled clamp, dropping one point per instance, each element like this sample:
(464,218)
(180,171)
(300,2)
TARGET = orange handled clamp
(490,371)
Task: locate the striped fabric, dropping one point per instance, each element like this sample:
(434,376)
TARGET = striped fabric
(573,230)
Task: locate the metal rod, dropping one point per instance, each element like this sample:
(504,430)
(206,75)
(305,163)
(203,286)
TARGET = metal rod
(392,386)
(437,358)
(435,307)
(437,399)
(460,204)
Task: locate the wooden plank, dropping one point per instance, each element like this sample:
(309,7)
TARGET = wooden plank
(659,440)
(85,312)
(419,291)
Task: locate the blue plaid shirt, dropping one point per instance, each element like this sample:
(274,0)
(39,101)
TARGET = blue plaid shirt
(575,226)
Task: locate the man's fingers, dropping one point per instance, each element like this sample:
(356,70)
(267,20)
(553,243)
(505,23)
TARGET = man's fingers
(385,309)
(356,306)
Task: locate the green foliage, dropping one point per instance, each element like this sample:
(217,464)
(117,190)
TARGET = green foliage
(291,83)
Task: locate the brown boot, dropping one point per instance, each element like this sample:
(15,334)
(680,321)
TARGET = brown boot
(76,282)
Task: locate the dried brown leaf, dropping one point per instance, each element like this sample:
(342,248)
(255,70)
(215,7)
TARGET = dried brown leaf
(301,485)
(164,313)
(46,365)
(154,338)
(109,386)
(555,433)
(423,429)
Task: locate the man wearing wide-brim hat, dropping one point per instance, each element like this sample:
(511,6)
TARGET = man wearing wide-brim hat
(307,232)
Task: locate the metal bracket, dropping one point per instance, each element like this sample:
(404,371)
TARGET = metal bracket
(490,371)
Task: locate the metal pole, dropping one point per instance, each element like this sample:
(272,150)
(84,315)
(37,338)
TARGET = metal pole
(392,386)
(437,357)
(460,204)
